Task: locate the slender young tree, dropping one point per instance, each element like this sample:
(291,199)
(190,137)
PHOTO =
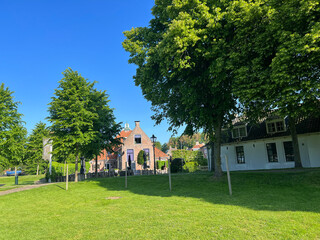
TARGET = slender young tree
(183,66)
(12,132)
(34,151)
(71,114)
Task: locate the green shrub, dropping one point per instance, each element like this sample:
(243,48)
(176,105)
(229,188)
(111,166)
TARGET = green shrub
(60,168)
(190,166)
(141,157)
(190,156)
(200,159)
(161,164)
(54,175)
(176,165)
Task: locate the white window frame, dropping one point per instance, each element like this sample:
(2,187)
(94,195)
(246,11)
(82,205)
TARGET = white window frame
(238,129)
(275,125)
(244,157)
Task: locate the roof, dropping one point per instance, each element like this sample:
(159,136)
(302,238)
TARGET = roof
(124,134)
(197,146)
(159,153)
(259,131)
(113,156)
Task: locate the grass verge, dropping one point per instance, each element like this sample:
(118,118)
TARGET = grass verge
(276,205)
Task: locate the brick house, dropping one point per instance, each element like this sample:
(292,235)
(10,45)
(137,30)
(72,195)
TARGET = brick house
(133,142)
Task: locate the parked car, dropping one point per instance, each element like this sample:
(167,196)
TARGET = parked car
(12,173)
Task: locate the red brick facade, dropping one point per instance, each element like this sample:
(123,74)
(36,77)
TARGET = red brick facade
(133,142)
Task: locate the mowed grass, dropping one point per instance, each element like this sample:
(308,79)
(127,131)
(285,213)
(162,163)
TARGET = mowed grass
(7,183)
(275,205)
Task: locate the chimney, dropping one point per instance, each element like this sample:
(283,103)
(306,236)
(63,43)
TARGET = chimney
(137,123)
(197,143)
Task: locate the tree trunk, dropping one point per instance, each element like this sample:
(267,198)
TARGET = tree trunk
(217,149)
(295,143)
(96,168)
(212,154)
(76,166)
(38,169)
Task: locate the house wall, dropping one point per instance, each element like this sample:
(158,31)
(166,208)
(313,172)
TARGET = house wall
(313,143)
(101,165)
(129,143)
(256,153)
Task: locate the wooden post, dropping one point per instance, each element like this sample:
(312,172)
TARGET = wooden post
(67,178)
(228,174)
(126,183)
(15,176)
(169,172)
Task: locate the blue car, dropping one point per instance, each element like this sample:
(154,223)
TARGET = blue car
(12,173)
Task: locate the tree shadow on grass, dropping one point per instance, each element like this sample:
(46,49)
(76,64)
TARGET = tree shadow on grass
(270,191)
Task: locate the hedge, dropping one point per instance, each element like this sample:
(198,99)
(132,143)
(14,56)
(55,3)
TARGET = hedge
(190,156)
(160,164)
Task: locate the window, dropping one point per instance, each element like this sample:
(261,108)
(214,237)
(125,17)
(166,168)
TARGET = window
(272,152)
(240,155)
(130,157)
(146,151)
(288,151)
(238,132)
(137,139)
(147,154)
(276,126)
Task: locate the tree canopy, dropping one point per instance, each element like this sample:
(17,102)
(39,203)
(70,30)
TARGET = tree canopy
(183,66)
(80,117)
(277,54)
(12,131)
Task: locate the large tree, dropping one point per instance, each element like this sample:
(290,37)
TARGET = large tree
(277,51)
(34,151)
(182,59)
(12,132)
(71,115)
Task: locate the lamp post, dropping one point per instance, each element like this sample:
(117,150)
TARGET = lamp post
(154,139)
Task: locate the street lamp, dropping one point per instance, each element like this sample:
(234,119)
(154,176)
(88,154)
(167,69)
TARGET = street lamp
(154,139)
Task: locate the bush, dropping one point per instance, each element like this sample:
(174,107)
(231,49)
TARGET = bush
(141,157)
(176,165)
(54,175)
(190,166)
(161,164)
(191,156)
(59,167)
(200,159)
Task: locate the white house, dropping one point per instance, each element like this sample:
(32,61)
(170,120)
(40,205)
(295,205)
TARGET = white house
(268,145)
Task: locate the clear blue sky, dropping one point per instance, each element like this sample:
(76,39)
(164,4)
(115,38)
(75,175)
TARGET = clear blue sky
(41,38)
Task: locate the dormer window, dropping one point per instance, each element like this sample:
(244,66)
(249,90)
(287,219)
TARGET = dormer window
(275,126)
(239,131)
(137,139)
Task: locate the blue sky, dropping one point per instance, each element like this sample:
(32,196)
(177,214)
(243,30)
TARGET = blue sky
(41,38)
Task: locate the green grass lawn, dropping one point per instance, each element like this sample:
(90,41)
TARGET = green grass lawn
(277,205)
(9,182)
